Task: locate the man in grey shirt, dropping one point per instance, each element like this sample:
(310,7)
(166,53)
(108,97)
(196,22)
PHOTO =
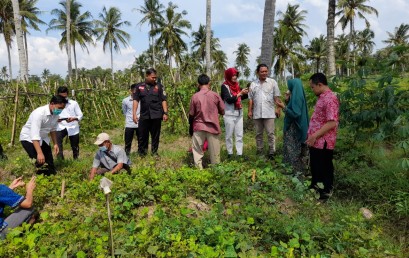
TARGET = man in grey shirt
(109,158)
(263,95)
(131,128)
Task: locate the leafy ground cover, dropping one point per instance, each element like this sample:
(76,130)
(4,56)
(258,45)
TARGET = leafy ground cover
(166,208)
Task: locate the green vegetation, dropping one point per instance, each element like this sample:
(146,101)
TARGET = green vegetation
(256,208)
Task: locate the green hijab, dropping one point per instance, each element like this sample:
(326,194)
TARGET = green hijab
(296,110)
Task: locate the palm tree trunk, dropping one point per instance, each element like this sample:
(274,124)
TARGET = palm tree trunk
(68,31)
(112,61)
(153,48)
(75,61)
(330,38)
(268,32)
(9,56)
(208,34)
(26,47)
(20,41)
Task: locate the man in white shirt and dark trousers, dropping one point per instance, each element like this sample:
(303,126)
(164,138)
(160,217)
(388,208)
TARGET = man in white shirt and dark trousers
(263,95)
(69,124)
(34,134)
(131,128)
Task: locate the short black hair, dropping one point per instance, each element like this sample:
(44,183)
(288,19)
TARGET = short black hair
(57,99)
(150,71)
(203,79)
(133,86)
(261,65)
(319,78)
(62,89)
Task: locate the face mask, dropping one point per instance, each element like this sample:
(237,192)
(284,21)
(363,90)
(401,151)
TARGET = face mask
(57,111)
(103,148)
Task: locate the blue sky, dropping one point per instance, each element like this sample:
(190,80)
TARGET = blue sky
(233,22)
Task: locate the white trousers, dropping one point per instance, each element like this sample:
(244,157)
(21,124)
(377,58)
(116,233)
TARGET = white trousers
(234,124)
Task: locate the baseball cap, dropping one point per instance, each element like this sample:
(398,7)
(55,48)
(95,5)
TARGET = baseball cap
(102,137)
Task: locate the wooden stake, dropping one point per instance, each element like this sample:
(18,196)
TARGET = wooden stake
(62,188)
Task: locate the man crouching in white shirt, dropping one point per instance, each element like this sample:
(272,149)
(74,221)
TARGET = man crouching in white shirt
(34,134)
(69,124)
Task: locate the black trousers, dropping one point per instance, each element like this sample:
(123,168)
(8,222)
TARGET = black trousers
(48,155)
(146,127)
(129,135)
(74,141)
(322,169)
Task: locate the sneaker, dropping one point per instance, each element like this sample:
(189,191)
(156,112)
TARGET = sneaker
(229,156)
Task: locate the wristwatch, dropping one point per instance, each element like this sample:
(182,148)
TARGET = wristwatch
(165,113)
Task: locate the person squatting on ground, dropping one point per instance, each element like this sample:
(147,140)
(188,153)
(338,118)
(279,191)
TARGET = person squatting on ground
(322,134)
(109,158)
(34,134)
(69,124)
(232,95)
(131,128)
(24,212)
(295,126)
(151,96)
(263,95)
(205,107)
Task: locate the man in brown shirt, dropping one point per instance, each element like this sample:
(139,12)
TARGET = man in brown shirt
(205,108)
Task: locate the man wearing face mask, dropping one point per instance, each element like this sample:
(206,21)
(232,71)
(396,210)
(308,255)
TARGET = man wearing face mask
(109,158)
(34,134)
(69,124)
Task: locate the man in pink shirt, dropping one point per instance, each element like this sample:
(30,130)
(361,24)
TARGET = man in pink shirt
(205,108)
(322,134)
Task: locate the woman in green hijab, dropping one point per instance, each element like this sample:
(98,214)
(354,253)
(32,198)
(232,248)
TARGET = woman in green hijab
(295,126)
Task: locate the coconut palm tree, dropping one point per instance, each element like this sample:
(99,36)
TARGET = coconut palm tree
(364,41)
(7,28)
(170,31)
(342,53)
(288,37)
(399,37)
(331,38)
(348,10)
(152,12)
(29,19)
(266,56)
(294,19)
(4,74)
(219,62)
(82,28)
(199,43)
(108,29)
(316,51)
(242,57)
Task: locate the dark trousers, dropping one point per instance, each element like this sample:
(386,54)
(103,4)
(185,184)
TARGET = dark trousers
(48,155)
(146,127)
(74,141)
(129,135)
(322,169)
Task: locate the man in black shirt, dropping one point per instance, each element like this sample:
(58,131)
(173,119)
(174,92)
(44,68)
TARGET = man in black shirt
(154,108)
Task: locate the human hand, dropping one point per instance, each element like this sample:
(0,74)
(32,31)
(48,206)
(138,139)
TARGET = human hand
(31,185)
(311,140)
(16,183)
(244,91)
(250,114)
(278,113)
(135,119)
(40,158)
(71,119)
(165,117)
(56,149)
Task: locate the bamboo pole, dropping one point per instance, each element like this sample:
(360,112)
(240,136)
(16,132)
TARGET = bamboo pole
(13,129)
(96,109)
